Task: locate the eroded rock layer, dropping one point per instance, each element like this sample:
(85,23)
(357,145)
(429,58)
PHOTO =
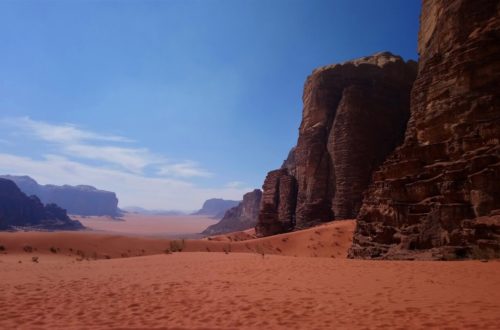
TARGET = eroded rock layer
(241,217)
(354,115)
(438,195)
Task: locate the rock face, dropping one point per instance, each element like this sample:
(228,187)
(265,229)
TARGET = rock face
(354,115)
(241,217)
(438,195)
(79,200)
(19,210)
(216,207)
(277,209)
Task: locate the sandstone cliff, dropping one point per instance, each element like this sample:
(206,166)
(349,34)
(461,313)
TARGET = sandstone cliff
(216,207)
(438,195)
(79,200)
(241,217)
(354,115)
(19,210)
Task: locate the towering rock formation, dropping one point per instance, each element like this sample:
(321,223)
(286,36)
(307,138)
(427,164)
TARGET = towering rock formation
(80,200)
(19,210)
(241,217)
(354,115)
(216,207)
(438,195)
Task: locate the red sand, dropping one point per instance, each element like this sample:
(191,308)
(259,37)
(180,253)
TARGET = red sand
(235,290)
(149,225)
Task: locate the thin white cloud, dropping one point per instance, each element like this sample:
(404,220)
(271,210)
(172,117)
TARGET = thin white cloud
(185,169)
(132,189)
(62,133)
(234,184)
(131,159)
(74,142)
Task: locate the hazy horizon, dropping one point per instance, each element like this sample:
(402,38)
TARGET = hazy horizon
(170,103)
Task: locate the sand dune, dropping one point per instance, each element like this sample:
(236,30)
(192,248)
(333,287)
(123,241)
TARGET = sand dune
(329,240)
(74,286)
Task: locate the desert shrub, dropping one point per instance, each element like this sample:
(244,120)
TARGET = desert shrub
(176,246)
(28,249)
(2,248)
(53,250)
(34,259)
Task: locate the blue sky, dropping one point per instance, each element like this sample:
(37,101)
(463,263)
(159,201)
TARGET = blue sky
(169,103)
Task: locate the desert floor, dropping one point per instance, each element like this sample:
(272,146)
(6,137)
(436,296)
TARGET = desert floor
(100,281)
(149,225)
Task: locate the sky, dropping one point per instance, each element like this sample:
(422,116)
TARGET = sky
(168,103)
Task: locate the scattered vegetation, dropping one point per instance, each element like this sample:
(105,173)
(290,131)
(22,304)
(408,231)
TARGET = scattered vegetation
(2,248)
(53,250)
(28,249)
(34,259)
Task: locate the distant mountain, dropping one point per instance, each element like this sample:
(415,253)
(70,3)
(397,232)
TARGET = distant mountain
(140,210)
(216,207)
(19,210)
(79,200)
(241,217)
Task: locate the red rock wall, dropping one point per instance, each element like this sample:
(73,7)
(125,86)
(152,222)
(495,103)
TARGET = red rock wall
(438,195)
(354,115)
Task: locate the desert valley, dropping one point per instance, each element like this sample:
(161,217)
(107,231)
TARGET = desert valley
(384,215)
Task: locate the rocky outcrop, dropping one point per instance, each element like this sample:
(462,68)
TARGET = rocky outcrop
(216,207)
(438,195)
(241,217)
(78,200)
(354,115)
(277,208)
(19,210)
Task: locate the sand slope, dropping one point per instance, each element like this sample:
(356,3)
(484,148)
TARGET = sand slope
(329,240)
(142,287)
